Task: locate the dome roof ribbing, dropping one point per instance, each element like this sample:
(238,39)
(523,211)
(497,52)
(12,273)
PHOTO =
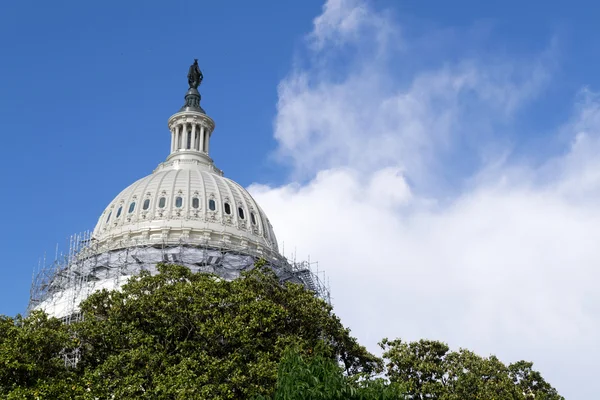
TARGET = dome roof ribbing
(186,203)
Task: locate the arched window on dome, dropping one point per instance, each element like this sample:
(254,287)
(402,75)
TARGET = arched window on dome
(131,207)
(178,202)
(212,205)
(195,202)
(253,218)
(189,140)
(161,202)
(227,208)
(241,212)
(108,218)
(119,211)
(146,204)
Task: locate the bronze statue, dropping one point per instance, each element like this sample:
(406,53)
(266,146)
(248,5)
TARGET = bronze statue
(195,75)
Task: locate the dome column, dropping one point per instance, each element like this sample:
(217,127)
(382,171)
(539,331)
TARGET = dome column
(193,138)
(188,137)
(207,139)
(179,137)
(202,148)
(180,130)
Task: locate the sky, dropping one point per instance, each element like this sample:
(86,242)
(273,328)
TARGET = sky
(439,159)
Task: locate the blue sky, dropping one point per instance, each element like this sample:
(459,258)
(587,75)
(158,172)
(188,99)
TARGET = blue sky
(442,154)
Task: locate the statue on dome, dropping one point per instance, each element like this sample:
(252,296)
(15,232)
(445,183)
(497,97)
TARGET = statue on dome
(195,75)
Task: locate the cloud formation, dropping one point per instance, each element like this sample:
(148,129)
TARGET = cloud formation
(405,191)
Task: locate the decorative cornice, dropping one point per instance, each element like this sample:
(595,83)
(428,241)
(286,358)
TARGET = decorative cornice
(191,117)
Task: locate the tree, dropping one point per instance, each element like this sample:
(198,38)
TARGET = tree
(181,335)
(431,371)
(531,382)
(318,377)
(31,362)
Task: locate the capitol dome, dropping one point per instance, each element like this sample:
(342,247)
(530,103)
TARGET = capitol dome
(186,198)
(184,212)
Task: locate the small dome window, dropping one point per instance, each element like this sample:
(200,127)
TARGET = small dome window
(119,211)
(178,202)
(253,218)
(195,202)
(227,209)
(146,204)
(212,205)
(162,201)
(131,207)
(241,212)
(108,218)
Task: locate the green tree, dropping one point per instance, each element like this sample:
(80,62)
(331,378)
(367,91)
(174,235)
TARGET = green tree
(531,382)
(180,335)
(31,362)
(431,371)
(318,377)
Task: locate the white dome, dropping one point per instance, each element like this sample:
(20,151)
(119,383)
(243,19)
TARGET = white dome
(183,201)
(187,199)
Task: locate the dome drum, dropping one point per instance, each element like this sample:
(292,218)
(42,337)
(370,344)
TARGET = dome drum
(171,236)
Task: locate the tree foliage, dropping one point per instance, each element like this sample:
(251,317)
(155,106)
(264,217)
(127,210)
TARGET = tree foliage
(179,335)
(318,377)
(31,362)
(431,371)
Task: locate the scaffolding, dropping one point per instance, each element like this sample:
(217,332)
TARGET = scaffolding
(59,286)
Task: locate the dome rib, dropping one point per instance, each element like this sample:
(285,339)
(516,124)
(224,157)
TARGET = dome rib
(188,204)
(204,198)
(219,208)
(152,201)
(128,201)
(155,209)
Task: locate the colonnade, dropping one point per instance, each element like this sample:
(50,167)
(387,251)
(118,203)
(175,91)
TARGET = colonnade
(190,136)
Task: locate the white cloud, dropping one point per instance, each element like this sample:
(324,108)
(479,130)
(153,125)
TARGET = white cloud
(494,256)
(356,108)
(343,21)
